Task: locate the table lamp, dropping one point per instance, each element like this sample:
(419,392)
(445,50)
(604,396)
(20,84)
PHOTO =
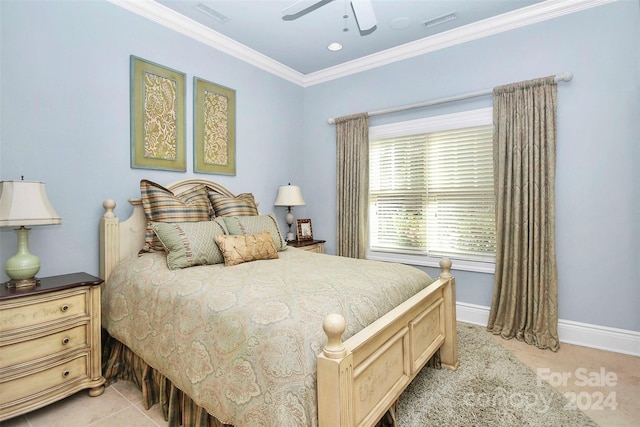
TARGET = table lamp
(289,195)
(23,204)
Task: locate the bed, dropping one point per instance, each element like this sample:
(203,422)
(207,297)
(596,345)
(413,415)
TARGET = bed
(292,338)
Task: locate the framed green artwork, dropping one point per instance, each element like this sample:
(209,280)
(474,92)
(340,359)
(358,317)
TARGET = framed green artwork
(157,116)
(214,128)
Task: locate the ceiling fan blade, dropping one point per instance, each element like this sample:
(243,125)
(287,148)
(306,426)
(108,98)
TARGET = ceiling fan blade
(365,16)
(301,8)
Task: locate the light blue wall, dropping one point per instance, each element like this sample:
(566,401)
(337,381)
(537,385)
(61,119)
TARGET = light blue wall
(598,200)
(65,120)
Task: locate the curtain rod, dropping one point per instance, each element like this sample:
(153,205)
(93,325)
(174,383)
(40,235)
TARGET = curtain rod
(564,77)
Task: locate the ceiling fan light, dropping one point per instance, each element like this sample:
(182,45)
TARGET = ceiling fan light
(334,47)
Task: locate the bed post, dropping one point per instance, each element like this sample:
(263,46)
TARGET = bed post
(120,239)
(109,239)
(449,349)
(335,377)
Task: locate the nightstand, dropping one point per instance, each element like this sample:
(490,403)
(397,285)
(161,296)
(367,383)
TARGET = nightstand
(308,245)
(49,342)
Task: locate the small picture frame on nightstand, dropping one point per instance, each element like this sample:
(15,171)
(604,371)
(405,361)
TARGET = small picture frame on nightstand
(304,229)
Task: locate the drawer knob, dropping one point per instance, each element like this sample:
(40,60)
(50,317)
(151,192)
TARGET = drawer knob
(65,341)
(65,374)
(64,308)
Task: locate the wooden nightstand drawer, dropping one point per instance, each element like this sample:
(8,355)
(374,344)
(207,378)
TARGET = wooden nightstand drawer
(25,385)
(43,309)
(49,342)
(308,245)
(47,345)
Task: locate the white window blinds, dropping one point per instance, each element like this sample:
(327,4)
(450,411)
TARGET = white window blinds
(432,193)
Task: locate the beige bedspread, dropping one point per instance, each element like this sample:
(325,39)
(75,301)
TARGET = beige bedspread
(242,341)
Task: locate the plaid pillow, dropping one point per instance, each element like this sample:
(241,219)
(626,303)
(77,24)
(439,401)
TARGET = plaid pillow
(242,205)
(161,205)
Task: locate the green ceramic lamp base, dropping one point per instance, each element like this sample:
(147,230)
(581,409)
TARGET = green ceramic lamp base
(23,266)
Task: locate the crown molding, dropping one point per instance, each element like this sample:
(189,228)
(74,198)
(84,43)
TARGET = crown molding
(173,20)
(535,13)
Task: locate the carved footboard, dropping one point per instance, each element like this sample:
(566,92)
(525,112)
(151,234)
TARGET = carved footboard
(358,379)
(361,378)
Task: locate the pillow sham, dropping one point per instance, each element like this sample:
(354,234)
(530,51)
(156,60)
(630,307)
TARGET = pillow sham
(161,205)
(255,224)
(190,243)
(243,204)
(246,247)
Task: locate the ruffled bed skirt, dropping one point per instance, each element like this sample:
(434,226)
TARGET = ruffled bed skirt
(120,363)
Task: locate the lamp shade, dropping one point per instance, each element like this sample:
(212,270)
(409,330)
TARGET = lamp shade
(289,195)
(25,203)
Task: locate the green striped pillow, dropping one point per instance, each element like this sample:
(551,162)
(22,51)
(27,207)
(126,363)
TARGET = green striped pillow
(256,224)
(190,243)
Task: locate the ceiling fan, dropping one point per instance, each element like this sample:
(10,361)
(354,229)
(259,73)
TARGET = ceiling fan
(362,11)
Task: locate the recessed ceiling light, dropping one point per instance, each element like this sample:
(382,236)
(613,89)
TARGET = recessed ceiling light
(334,47)
(400,23)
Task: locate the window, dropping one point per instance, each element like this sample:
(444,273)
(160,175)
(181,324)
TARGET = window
(431,191)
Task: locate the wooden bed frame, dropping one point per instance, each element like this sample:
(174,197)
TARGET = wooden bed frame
(358,379)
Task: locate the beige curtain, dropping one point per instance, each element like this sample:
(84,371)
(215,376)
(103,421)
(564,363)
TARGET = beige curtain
(352,184)
(525,295)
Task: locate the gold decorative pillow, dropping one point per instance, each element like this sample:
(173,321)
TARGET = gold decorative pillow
(246,247)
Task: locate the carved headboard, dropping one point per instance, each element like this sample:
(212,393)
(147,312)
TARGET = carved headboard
(122,239)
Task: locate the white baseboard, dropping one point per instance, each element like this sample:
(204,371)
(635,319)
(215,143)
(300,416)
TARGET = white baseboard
(471,313)
(570,332)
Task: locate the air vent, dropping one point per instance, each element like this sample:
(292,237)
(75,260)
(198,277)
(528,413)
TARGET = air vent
(212,13)
(440,20)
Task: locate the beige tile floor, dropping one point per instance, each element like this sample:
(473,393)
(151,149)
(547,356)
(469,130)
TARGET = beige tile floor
(120,405)
(584,374)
